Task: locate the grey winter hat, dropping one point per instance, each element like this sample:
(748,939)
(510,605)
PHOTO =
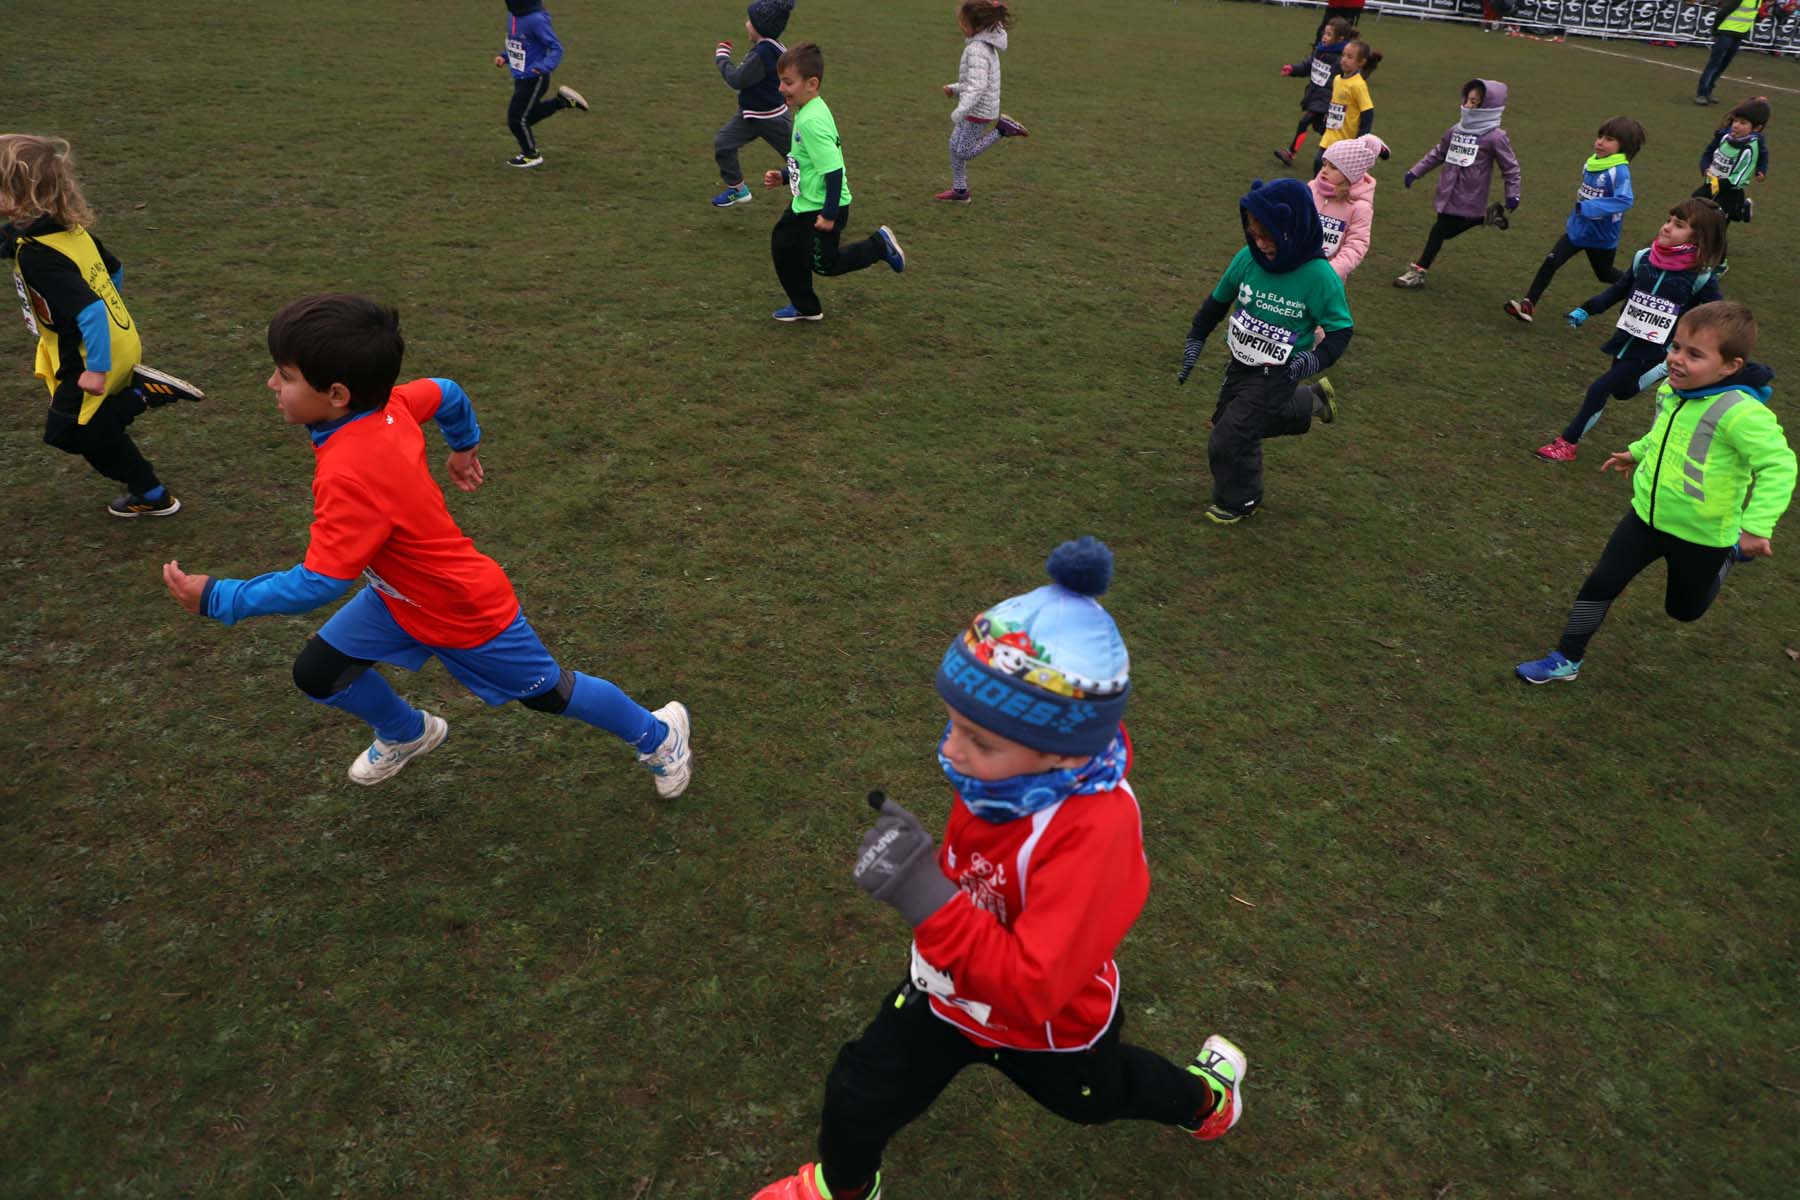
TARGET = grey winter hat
(770,17)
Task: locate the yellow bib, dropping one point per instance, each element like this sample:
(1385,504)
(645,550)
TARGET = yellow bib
(78,247)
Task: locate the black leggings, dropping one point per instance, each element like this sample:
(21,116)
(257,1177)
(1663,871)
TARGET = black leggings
(1618,382)
(1696,573)
(528,107)
(1598,258)
(889,1076)
(103,440)
(1442,230)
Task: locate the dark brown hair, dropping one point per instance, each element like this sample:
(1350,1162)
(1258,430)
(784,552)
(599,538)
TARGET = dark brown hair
(985,14)
(1731,321)
(1707,220)
(1343,27)
(1755,111)
(1625,131)
(1371,57)
(807,60)
(338,338)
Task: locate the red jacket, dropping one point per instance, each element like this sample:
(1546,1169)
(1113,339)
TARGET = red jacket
(1022,955)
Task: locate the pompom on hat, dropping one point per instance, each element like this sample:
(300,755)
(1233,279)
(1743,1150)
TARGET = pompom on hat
(1047,669)
(770,17)
(1354,156)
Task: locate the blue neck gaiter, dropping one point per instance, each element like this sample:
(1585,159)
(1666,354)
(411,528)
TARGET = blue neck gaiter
(1002,800)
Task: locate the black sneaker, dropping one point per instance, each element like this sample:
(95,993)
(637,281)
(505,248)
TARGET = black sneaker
(1749,209)
(133,505)
(1220,515)
(159,387)
(520,160)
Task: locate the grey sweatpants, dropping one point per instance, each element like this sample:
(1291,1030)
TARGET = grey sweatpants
(967,140)
(741,131)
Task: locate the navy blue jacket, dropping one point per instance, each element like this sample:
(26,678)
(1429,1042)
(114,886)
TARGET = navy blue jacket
(1317,97)
(757,82)
(1685,289)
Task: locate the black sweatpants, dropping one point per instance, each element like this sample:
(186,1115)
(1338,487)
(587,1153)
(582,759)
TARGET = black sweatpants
(103,440)
(889,1076)
(1619,382)
(1443,229)
(1601,259)
(1254,403)
(1696,573)
(1731,200)
(529,106)
(800,251)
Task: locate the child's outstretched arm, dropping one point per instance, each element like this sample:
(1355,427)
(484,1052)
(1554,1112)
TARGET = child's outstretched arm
(1614,293)
(1212,311)
(752,71)
(228,601)
(1429,163)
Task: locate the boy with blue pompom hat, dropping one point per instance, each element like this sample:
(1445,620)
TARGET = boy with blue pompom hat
(1036,755)
(762,110)
(1278,290)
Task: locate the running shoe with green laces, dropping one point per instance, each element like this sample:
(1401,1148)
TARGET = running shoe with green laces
(1222,1067)
(808,1183)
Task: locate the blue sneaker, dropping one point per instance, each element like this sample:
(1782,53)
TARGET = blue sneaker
(730,196)
(896,257)
(789,313)
(1552,666)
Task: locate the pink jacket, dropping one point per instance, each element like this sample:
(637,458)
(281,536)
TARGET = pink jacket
(1346,223)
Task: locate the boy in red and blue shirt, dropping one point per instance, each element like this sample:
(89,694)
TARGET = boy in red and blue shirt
(1020,979)
(378,513)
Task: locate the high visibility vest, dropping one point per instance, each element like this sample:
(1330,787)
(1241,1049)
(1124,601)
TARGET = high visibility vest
(1742,17)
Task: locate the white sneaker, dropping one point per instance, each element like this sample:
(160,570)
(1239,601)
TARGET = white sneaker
(672,762)
(383,759)
(575,98)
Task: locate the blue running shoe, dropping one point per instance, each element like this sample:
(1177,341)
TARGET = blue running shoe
(1550,667)
(730,196)
(789,313)
(896,257)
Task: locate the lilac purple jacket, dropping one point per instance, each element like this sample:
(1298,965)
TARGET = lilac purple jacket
(1463,191)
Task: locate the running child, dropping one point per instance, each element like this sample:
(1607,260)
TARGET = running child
(1037,756)
(1736,155)
(532,52)
(87,343)
(977,92)
(805,239)
(762,113)
(1351,112)
(1678,271)
(1715,442)
(1468,151)
(1320,70)
(1278,290)
(1344,195)
(377,513)
(1601,202)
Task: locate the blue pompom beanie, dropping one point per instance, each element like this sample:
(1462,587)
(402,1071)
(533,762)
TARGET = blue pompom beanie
(1047,669)
(770,17)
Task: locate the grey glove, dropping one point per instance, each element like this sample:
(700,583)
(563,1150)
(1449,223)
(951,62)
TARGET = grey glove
(1302,364)
(898,863)
(1189,357)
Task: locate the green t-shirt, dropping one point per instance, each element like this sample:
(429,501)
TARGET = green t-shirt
(816,152)
(1273,314)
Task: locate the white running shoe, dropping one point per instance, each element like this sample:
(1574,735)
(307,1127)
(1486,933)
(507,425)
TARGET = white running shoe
(575,98)
(383,759)
(672,762)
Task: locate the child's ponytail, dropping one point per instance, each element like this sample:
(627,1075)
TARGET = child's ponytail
(1371,57)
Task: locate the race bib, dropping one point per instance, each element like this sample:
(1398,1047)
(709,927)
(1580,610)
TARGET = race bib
(1721,165)
(1256,343)
(1334,119)
(1588,191)
(515,54)
(25,304)
(1334,233)
(929,979)
(1462,149)
(1651,318)
(793,176)
(1321,72)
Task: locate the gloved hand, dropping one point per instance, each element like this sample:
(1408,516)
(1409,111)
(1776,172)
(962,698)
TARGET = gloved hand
(1577,317)
(1301,364)
(1408,179)
(1189,357)
(898,863)
(1287,68)
(722,50)
(1512,203)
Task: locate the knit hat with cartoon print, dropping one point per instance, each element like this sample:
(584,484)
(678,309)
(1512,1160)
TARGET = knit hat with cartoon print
(770,17)
(1047,669)
(1354,156)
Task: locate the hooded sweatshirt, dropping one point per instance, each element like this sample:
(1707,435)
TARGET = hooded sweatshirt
(1705,449)
(1276,301)
(1318,71)
(1345,222)
(977,86)
(1468,151)
(1601,203)
(531,45)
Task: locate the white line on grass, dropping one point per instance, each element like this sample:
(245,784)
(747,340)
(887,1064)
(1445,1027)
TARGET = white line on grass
(1774,87)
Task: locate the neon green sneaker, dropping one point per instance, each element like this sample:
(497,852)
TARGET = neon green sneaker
(1223,1067)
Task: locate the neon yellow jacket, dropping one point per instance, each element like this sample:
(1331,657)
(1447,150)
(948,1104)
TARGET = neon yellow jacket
(1705,449)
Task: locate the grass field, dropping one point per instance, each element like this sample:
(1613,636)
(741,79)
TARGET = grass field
(1497,942)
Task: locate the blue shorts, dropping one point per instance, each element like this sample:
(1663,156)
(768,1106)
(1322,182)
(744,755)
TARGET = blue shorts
(511,665)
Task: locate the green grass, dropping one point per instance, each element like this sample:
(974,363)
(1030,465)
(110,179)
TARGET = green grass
(1504,941)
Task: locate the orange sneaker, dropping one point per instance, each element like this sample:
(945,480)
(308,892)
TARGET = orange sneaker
(808,1183)
(1222,1066)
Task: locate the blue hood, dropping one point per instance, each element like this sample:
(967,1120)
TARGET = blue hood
(1752,377)
(1285,208)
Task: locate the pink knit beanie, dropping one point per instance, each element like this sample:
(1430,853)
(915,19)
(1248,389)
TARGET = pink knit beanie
(1354,156)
